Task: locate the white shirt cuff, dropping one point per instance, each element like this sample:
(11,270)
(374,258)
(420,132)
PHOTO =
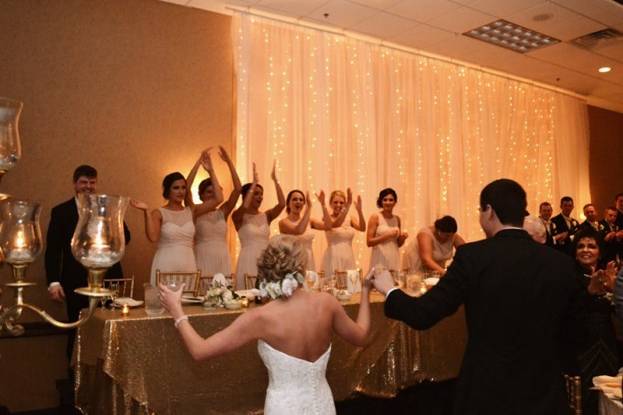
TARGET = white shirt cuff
(390,291)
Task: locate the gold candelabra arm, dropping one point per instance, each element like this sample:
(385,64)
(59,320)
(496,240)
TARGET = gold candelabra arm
(11,314)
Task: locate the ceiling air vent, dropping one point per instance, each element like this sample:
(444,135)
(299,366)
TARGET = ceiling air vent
(511,36)
(598,38)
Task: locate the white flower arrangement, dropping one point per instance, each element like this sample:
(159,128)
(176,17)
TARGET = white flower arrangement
(285,288)
(219,295)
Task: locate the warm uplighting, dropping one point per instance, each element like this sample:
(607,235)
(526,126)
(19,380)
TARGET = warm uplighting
(98,242)
(604,69)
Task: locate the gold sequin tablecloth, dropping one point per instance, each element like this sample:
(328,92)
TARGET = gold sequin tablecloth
(138,364)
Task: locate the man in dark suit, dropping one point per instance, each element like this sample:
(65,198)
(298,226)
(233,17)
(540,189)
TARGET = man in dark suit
(64,273)
(520,299)
(591,222)
(545,215)
(564,226)
(609,234)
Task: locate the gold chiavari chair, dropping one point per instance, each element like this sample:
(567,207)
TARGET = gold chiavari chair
(121,287)
(204,284)
(189,279)
(341,280)
(574,394)
(249,281)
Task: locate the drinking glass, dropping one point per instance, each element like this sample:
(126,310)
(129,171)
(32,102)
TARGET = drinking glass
(152,301)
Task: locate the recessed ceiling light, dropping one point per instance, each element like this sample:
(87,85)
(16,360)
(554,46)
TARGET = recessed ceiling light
(524,40)
(604,69)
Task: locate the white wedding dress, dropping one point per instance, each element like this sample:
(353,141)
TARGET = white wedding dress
(296,386)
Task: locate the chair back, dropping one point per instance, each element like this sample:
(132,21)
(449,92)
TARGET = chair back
(204,285)
(341,280)
(574,394)
(121,287)
(249,281)
(189,279)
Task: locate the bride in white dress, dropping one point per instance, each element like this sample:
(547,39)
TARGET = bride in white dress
(297,221)
(293,333)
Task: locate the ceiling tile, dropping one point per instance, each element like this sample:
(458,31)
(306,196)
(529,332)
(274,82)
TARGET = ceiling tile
(503,8)
(384,25)
(564,24)
(462,20)
(613,50)
(342,13)
(571,80)
(423,10)
(292,8)
(421,36)
(604,11)
(457,47)
(377,4)
(575,58)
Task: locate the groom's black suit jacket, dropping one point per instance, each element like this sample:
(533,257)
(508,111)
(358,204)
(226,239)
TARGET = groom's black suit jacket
(60,264)
(521,300)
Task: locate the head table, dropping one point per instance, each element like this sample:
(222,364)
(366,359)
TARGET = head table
(137,364)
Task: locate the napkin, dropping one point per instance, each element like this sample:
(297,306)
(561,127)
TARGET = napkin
(353,282)
(130,302)
(220,279)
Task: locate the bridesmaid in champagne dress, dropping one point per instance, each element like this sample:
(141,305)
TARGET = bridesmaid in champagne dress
(172,226)
(297,224)
(339,255)
(253,225)
(384,235)
(211,225)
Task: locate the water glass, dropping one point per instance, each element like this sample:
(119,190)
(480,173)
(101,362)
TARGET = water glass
(152,301)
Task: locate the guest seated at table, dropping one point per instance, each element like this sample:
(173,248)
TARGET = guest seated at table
(598,350)
(293,332)
(433,247)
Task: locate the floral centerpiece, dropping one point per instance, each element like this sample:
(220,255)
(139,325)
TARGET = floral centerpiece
(219,295)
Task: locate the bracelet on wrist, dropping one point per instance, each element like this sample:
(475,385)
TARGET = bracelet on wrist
(179,320)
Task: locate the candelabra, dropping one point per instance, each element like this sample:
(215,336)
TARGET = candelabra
(98,241)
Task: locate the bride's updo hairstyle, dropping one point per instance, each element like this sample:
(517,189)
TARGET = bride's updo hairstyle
(282,256)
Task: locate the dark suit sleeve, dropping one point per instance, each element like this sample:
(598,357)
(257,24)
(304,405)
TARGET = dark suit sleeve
(126,233)
(441,301)
(53,249)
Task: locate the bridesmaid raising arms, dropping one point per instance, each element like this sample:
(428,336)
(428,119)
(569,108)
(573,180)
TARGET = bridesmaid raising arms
(339,255)
(384,235)
(171,226)
(252,225)
(297,224)
(211,224)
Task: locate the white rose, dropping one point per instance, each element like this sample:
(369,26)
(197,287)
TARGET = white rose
(274,290)
(227,296)
(262,291)
(288,285)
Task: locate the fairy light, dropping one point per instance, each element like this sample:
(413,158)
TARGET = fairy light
(439,122)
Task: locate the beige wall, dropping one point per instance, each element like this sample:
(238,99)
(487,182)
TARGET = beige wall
(134,87)
(606,156)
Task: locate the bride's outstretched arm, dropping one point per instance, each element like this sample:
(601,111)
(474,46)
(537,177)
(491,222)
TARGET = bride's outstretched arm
(355,332)
(243,330)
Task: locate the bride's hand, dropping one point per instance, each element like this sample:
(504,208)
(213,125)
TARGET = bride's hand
(171,300)
(368,280)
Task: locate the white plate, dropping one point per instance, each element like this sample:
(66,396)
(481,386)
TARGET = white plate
(233,305)
(192,300)
(131,302)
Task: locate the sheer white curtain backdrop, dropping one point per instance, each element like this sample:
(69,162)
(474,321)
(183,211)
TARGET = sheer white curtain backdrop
(338,112)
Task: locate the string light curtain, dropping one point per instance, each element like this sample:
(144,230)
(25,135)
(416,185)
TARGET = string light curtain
(338,112)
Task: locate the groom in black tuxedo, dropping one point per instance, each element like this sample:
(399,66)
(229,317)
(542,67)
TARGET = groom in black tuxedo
(520,299)
(64,273)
